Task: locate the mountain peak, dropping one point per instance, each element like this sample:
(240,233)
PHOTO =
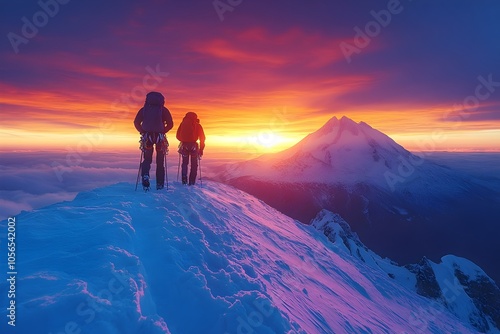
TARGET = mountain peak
(335,125)
(341,151)
(347,123)
(346,135)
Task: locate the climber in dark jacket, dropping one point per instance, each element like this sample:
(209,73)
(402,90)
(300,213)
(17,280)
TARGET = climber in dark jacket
(153,121)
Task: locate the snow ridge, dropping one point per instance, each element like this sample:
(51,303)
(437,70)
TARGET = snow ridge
(191,260)
(457,284)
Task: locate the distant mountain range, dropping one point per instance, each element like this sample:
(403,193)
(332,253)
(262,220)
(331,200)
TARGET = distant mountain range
(402,206)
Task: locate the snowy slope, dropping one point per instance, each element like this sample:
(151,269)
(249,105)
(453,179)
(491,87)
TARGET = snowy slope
(190,260)
(456,283)
(402,206)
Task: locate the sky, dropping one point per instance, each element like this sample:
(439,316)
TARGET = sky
(260,75)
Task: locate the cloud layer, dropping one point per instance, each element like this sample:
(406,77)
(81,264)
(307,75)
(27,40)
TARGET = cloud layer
(30,180)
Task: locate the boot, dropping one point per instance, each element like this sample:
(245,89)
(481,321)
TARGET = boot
(145,181)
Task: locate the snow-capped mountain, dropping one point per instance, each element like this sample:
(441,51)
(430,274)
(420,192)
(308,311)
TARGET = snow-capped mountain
(340,151)
(350,153)
(402,206)
(191,260)
(456,283)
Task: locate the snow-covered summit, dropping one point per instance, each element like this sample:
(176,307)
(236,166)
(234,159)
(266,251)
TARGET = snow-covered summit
(456,283)
(191,260)
(345,132)
(341,151)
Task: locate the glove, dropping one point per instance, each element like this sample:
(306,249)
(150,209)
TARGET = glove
(200,154)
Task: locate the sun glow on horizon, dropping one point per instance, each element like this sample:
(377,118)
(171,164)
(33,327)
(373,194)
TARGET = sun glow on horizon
(245,145)
(247,132)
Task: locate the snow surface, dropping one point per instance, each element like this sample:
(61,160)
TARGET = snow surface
(191,260)
(341,236)
(453,294)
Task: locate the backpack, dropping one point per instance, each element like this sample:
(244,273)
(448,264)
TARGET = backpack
(155,98)
(188,130)
(152,112)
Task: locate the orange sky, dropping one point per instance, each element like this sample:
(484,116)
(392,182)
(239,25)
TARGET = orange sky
(249,123)
(247,129)
(237,120)
(257,84)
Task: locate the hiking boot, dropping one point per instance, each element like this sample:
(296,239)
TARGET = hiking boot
(184,180)
(145,181)
(160,186)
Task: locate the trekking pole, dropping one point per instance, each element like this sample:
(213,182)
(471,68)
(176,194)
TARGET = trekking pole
(139,171)
(199,165)
(178,167)
(166,168)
